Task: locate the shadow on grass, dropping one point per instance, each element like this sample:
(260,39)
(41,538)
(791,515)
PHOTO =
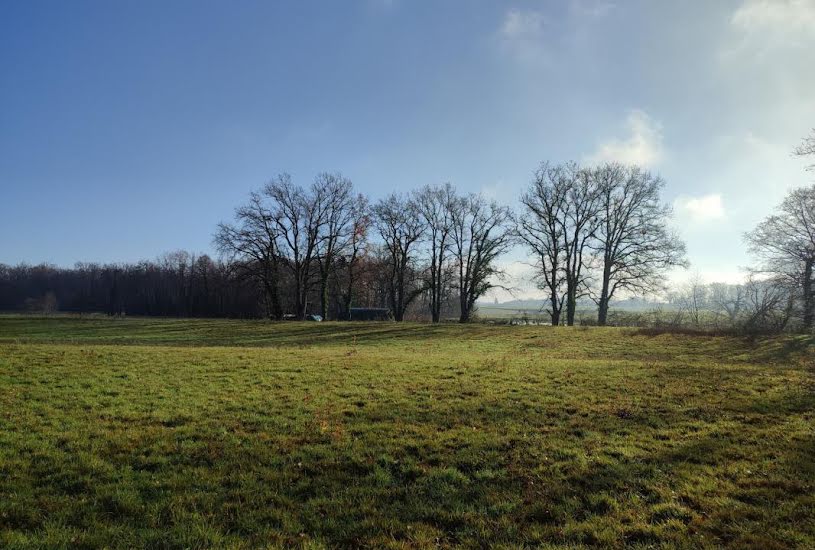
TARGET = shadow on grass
(216,332)
(470,490)
(785,348)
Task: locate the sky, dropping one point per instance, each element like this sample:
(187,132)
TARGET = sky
(129,129)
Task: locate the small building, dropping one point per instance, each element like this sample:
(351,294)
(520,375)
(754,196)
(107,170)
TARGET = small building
(370,314)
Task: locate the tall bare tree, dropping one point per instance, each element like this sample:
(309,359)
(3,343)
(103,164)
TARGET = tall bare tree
(540,228)
(401,227)
(353,250)
(481,233)
(632,239)
(436,205)
(560,221)
(300,217)
(580,226)
(784,244)
(250,245)
(337,229)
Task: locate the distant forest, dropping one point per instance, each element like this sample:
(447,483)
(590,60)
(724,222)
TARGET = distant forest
(179,284)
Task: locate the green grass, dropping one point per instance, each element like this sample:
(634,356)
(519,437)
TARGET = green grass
(242,434)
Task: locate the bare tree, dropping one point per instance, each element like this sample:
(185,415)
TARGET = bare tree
(807,148)
(784,245)
(693,298)
(728,300)
(401,227)
(560,221)
(300,216)
(769,304)
(338,227)
(436,205)
(540,228)
(633,242)
(251,248)
(353,249)
(481,233)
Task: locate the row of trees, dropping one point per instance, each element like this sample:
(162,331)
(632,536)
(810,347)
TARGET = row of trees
(594,233)
(432,243)
(757,305)
(177,284)
(597,232)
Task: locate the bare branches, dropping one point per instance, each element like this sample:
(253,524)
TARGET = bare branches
(251,248)
(784,244)
(437,206)
(300,217)
(558,223)
(807,148)
(633,243)
(338,203)
(481,233)
(608,217)
(541,229)
(401,227)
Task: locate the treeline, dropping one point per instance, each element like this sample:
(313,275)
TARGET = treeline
(758,305)
(178,284)
(292,251)
(325,249)
(755,306)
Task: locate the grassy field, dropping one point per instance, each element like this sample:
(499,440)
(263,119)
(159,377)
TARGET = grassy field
(243,434)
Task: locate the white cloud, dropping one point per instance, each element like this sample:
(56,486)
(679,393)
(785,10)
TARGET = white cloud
(643,146)
(525,35)
(700,209)
(775,16)
(752,161)
(521,25)
(522,35)
(759,27)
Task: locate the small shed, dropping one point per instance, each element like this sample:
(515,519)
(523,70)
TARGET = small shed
(370,314)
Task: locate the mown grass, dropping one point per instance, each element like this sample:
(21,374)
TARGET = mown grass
(240,434)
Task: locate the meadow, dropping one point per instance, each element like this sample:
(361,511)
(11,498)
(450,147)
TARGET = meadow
(129,433)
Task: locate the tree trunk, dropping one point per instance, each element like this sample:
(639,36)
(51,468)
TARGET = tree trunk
(324,296)
(809,296)
(436,299)
(602,309)
(273,300)
(348,299)
(435,306)
(571,306)
(602,312)
(300,305)
(464,316)
(555,310)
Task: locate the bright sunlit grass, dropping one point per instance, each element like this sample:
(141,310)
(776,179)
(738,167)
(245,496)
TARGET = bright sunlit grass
(245,434)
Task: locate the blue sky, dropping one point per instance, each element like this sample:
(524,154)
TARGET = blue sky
(128,129)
